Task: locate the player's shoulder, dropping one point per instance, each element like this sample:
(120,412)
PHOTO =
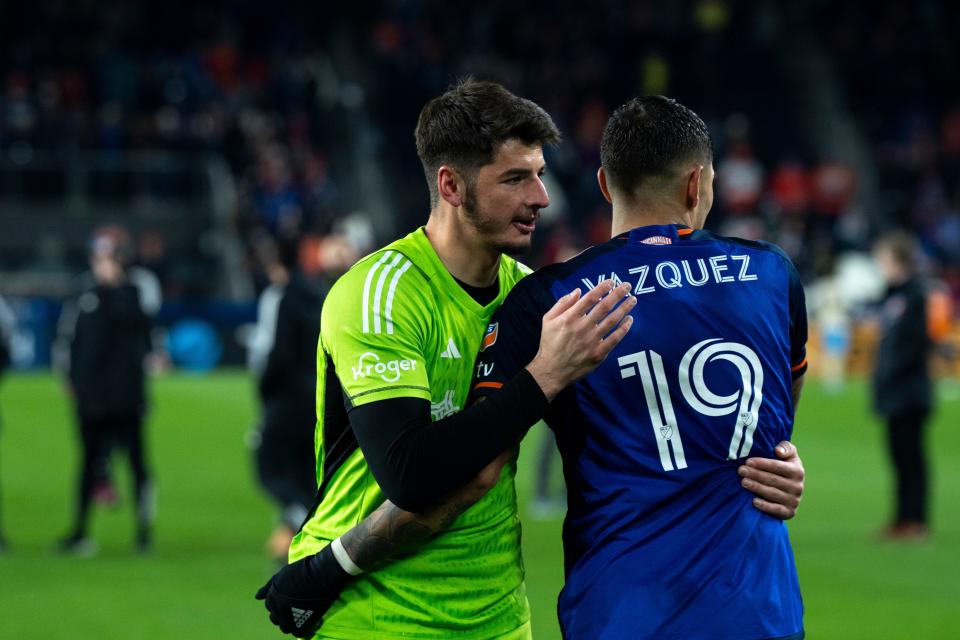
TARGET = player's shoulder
(583,260)
(743,243)
(760,246)
(386,293)
(545,285)
(572,268)
(384,272)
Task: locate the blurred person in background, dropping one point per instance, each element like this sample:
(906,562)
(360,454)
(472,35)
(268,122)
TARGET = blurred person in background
(7,326)
(107,334)
(830,310)
(902,387)
(285,462)
(261,339)
(150,295)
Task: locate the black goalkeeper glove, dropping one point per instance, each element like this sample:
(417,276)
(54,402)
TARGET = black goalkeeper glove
(300,593)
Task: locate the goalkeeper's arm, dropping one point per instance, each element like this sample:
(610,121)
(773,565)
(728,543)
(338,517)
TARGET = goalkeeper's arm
(300,594)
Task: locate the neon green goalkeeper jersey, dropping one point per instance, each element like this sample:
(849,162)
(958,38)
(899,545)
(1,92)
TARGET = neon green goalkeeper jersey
(398,325)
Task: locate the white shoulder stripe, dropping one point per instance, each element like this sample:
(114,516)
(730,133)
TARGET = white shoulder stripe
(366,289)
(379,295)
(393,290)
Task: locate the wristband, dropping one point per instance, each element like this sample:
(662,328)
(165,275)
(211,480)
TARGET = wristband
(344,559)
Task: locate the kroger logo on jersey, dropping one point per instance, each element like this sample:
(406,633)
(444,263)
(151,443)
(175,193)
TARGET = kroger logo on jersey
(370,364)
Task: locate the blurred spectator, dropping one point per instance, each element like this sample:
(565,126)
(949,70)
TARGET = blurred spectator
(285,462)
(831,313)
(150,296)
(261,340)
(319,193)
(740,180)
(108,334)
(275,198)
(902,389)
(790,188)
(297,125)
(834,186)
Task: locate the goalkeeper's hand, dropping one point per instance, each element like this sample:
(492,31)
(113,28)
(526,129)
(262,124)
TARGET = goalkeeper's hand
(300,593)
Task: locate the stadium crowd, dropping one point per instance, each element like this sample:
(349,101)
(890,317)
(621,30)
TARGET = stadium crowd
(264,90)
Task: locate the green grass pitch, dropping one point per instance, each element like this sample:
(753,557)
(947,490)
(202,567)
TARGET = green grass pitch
(213,521)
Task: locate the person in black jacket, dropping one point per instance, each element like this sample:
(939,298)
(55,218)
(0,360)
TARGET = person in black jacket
(902,389)
(109,340)
(285,461)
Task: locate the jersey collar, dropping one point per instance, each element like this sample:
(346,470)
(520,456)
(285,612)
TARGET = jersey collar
(659,234)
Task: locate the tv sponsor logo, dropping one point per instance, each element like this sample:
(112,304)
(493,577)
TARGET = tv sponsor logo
(370,364)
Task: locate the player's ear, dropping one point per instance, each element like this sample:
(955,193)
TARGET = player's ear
(450,186)
(604,189)
(693,187)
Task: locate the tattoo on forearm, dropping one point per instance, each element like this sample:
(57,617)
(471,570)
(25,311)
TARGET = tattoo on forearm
(390,530)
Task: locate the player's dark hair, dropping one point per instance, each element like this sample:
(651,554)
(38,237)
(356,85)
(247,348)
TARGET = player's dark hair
(651,137)
(463,128)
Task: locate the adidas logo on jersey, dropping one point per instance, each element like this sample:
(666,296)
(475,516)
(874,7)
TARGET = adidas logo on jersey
(300,616)
(451,351)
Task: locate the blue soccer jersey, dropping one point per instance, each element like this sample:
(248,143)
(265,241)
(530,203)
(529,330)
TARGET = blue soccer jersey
(660,540)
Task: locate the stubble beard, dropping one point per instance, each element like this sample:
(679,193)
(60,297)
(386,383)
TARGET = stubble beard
(488,230)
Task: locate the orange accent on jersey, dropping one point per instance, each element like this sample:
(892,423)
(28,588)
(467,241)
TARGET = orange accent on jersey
(684,232)
(488,385)
(490,337)
(800,366)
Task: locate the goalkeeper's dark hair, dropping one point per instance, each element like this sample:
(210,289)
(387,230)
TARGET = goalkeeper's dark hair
(464,127)
(652,137)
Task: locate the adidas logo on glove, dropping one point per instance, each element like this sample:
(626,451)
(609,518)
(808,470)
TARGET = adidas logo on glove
(300,616)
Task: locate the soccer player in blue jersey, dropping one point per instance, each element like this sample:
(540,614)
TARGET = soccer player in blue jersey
(660,540)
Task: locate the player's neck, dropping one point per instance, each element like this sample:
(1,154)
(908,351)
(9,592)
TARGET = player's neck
(467,259)
(627,218)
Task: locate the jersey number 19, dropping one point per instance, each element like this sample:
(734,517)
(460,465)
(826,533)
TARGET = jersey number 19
(745,402)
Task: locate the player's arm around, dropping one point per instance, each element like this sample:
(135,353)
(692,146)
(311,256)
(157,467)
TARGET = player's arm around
(578,333)
(777,485)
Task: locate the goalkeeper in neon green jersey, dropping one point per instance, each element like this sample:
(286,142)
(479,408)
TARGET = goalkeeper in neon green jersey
(399,334)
